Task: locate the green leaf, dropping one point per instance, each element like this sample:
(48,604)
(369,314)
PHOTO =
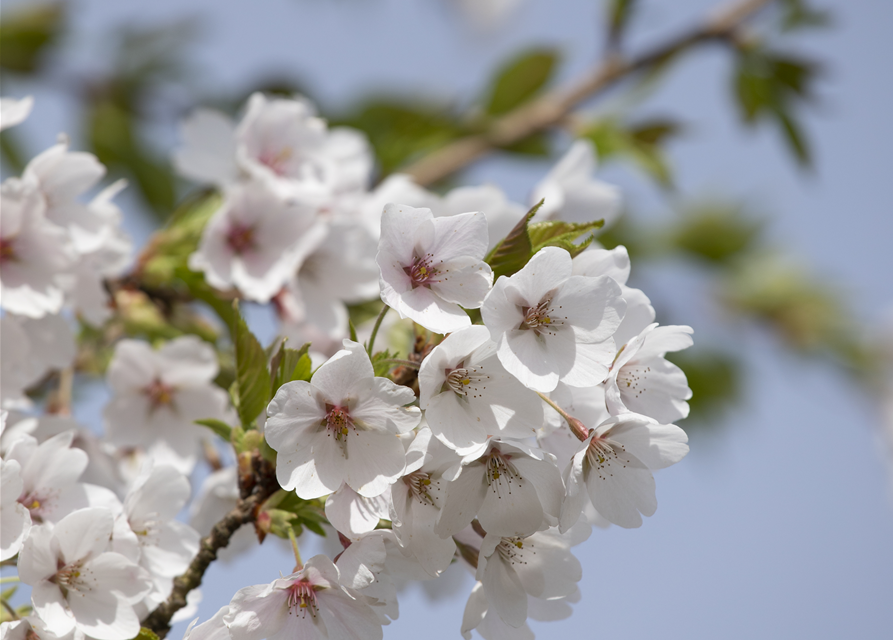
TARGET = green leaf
(289,365)
(639,143)
(400,131)
(252,377)
(716,232)
(352,329)
(26,32)
(217,426)
(796,14)
(520,80)
(714,378)
(146,634)
(513,251)
(380,367)
(555,233)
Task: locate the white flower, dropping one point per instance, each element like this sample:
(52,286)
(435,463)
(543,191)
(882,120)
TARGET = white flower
(571,194)
(15,521)
(502,214)
(33,252)
(76,583)
(14,111)
(512,568)
(417,500)
(643,381)
(615,464)
(50,472)
(256,241)
(158,395)
(431,267)
(310,603)
(209,150)
(550,325)
(352,514)
(511,490)
(340,427)
(340,270)
(615,264)
(468,395)
(62,176)
(166,546)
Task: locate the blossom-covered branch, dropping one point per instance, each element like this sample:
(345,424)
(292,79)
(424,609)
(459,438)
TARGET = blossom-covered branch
(549,110)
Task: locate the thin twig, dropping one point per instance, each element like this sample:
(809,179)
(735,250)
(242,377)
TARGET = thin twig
(549,110)
(575,425)
(397,361)
(374,335)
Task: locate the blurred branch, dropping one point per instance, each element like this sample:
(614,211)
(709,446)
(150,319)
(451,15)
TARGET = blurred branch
(548,111)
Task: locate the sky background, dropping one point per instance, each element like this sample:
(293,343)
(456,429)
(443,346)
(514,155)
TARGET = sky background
(779,523)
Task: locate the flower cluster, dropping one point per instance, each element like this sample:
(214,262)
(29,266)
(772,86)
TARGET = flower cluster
(536,401)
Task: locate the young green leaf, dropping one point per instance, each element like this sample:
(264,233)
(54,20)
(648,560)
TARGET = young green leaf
(513,252)
(520,80)
(217,426)
(556,233)
(252,377)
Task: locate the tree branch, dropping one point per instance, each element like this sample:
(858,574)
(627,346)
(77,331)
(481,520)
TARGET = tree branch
(551,109)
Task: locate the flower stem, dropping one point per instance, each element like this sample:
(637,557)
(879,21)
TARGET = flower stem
(9,579)
(378,320)
(577,427)
(299,564)
(12,612)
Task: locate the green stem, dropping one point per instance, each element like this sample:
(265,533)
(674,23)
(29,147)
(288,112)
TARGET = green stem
(294,547)
(378,320)
(9,579)
(577,427)
(12,612)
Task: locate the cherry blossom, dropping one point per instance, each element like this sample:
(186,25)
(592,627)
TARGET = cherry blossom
(512,490)
(310,603)
(158,395)
(14,111)
(643,381)
(550,325)
(256,241)
(432,267)
(33,252)
(615,464)
(340,427)
(468,395)
(15,520)
(571,194)
(78,584)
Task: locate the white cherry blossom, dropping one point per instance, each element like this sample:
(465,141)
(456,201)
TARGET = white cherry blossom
(418,498)
(14,111)
(256,241)
(33,252)
(310,603)
(550,325)
(468,395)
(352,514)
(78,584)
(432,267)
(614,467)
(340,427)
(510,489)
(570,192)
(15,520)
(158,394)
(643,381)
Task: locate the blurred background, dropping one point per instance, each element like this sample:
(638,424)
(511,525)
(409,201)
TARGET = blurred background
(756,178)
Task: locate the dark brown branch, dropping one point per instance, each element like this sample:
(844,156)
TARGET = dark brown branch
(549,110)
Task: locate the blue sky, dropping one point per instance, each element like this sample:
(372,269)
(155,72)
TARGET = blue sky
(780,521)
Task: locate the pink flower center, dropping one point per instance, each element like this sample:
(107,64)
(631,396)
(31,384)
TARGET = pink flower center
(276,160)
(302,598)
(37,503)
(541,318)
(159,393)
(338,422)
(240,238)
(7,250)
(421,273)
(70,576)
